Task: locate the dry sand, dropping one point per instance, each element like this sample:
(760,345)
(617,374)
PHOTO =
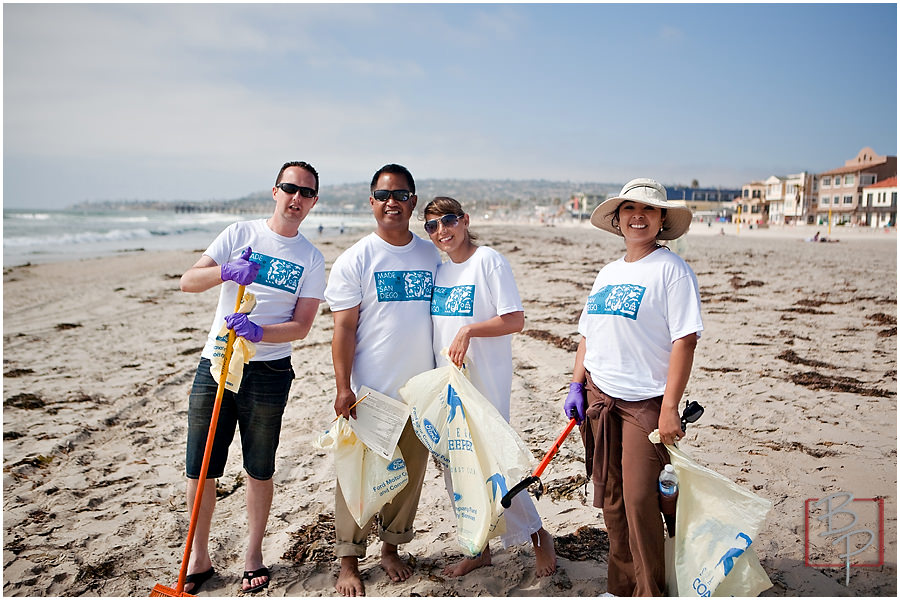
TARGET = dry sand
(796,369)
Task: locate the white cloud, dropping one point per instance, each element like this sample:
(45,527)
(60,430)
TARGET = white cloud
(499,23)
(91,81)
(399,70)
(669,33)
(234,89)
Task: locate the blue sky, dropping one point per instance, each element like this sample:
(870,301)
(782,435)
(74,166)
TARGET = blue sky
(206,101)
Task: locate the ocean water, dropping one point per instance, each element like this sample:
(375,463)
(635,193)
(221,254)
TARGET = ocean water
(42,236)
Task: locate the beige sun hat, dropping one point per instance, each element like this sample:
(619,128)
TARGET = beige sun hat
(652,193)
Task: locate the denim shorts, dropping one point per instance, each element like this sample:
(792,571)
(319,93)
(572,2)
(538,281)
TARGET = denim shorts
(256,409)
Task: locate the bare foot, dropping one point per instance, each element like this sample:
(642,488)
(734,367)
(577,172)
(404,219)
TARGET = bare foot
(395,567)
(544,553)
(469,564)
(349,582)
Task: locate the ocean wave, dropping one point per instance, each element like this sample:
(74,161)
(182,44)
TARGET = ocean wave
(85,237)
(180,230)
(33,235)
(142,219)
(94,237)
(28,216)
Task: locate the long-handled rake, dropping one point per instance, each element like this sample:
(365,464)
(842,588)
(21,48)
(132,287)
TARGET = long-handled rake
(160,589)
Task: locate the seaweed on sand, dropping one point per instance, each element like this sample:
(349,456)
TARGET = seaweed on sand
(587,543)
(313,542)
(567,344)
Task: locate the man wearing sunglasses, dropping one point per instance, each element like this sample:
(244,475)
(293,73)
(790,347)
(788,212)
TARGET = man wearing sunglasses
(379,291)
(286,274)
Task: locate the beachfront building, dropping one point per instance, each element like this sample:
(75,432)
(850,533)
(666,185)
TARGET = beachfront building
(706,204)
(775,199)
(841,189)
(799,198)
(779,200)
(751,207)
(582,204)
(880,203)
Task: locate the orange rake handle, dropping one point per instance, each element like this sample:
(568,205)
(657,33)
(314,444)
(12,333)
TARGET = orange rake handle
(207,453)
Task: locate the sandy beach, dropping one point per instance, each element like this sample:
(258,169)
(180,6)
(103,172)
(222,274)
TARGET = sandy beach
(796,369)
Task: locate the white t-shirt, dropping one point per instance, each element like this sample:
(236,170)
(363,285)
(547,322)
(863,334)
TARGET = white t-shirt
(633,314)
(392,287)
(291,268)
(471,292)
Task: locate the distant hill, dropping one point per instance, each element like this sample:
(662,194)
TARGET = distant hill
(474,194)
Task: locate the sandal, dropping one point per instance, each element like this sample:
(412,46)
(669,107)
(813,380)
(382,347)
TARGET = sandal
(251,575)
(198,579)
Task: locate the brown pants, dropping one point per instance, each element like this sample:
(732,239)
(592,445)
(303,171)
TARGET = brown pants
(396,516)
(631,500)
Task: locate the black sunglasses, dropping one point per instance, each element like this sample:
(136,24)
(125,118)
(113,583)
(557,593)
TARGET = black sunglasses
(384,195)
(290,189)
(447,220)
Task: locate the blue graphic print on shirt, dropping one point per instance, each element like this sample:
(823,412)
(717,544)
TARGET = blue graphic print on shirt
(621,300)
(453,301)
(277,273)
(403,286)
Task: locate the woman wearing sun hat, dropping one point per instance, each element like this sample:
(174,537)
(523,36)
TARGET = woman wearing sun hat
(639,328)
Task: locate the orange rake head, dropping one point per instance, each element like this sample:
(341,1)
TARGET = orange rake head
(160,590)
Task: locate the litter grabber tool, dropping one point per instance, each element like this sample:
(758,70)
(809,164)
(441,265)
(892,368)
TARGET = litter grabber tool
(536,475)
(162,590)
(692,412)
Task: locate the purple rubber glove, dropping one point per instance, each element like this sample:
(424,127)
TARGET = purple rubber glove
(241,271)
(244,327)
(575,404)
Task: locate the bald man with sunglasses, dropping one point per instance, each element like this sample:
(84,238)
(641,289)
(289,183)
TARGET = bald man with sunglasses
(286,274)
(379,291)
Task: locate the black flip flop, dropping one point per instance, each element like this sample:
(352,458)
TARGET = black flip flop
(198,579)
(251,575)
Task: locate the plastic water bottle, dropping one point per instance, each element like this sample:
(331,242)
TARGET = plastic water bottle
(668,490)
(668,481)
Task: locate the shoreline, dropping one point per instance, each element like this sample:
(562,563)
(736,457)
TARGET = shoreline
(697,230)
(796,369)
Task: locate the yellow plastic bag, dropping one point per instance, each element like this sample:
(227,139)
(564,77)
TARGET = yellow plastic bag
(468,436)
(241,353)
(716,521)
(368,480)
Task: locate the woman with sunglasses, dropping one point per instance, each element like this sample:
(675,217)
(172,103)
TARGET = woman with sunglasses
(475,309)
(639,328)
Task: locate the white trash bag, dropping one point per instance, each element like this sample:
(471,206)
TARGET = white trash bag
(368,480)
(468,436)
(241,352)
(716,521)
